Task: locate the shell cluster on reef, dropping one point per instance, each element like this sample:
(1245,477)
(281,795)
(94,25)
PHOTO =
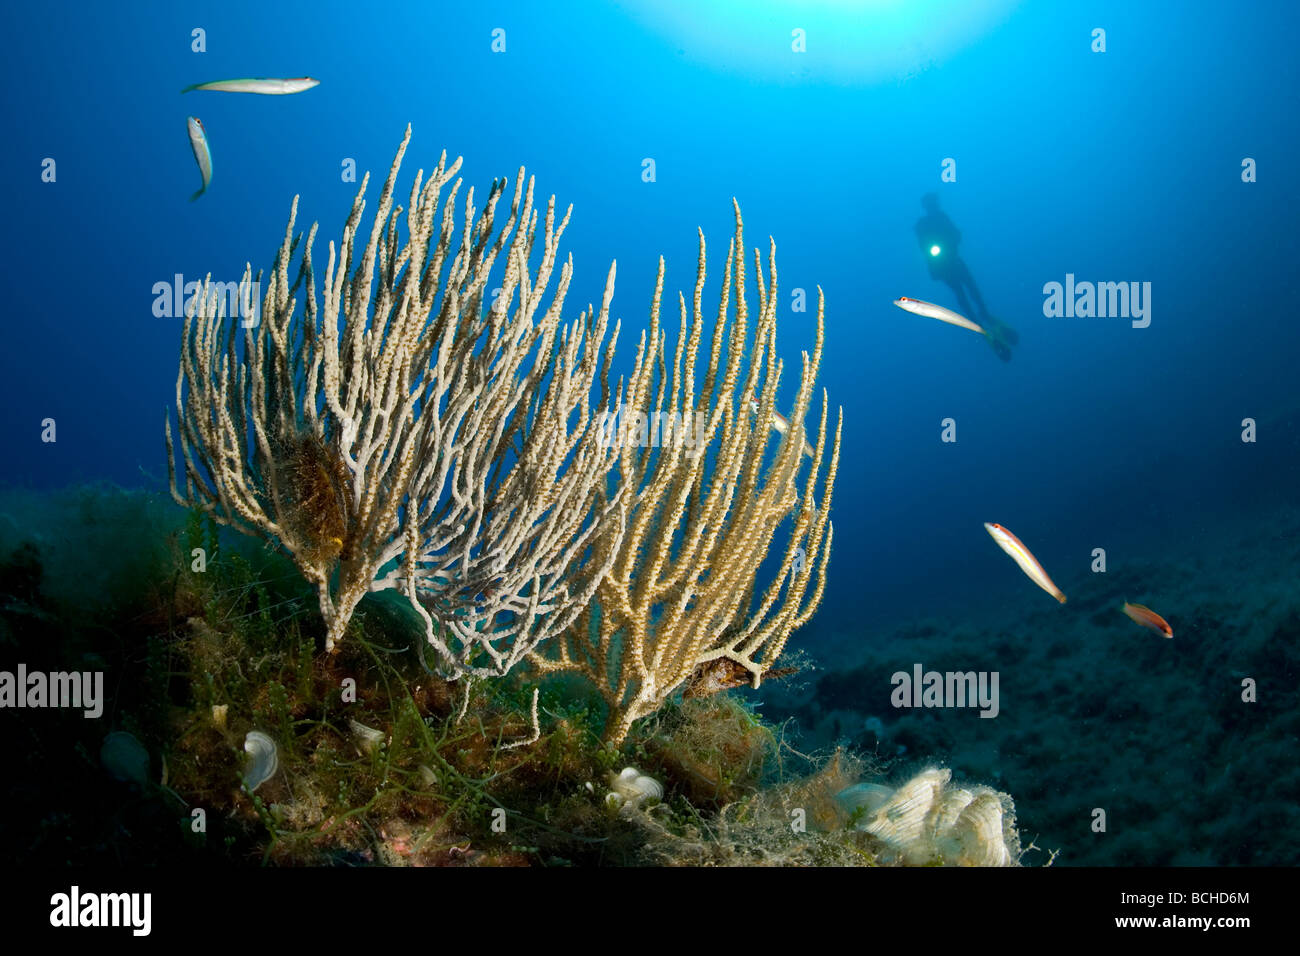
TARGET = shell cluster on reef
(631,788)
(925,820)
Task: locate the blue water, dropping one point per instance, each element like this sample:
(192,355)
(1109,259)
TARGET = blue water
(1117,166)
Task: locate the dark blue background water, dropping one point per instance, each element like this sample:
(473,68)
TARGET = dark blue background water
(1122,166)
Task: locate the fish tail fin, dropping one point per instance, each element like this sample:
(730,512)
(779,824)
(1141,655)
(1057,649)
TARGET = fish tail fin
(190,88)
(198,194)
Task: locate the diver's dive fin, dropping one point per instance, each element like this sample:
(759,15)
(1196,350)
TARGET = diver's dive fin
(999,344)
(1005,332)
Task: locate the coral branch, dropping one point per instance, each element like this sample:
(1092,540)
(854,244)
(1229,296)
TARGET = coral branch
(682,590)
(400,433)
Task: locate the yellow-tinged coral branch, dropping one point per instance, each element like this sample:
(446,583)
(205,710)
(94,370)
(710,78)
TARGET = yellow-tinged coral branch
(703,516)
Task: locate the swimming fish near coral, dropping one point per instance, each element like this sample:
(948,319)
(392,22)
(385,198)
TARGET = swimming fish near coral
(1013,546)
(713,677)
(1148,618)
(202,154)
(269,87)
(782,425)
(932,311)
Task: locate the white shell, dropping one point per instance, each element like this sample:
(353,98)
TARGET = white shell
(976,839)
(632,787)
(264,758)
(866,797)
(631,784)
(125,758)
(951,805)
(902,819)
(368,737)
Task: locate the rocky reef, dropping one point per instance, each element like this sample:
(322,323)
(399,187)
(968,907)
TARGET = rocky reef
(230,735)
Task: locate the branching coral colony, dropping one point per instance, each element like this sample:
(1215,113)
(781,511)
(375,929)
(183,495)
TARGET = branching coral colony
(681,599)
(412,431)
(418,439)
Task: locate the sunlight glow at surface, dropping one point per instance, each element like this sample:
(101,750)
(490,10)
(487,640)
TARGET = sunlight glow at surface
(934,250)
(847,41)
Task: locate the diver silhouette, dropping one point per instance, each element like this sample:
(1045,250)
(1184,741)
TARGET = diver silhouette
(940,241)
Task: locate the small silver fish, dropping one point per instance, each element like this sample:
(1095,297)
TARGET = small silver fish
(932,311)
(202,155)
(270,87)
(1013,546)
(781,425)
